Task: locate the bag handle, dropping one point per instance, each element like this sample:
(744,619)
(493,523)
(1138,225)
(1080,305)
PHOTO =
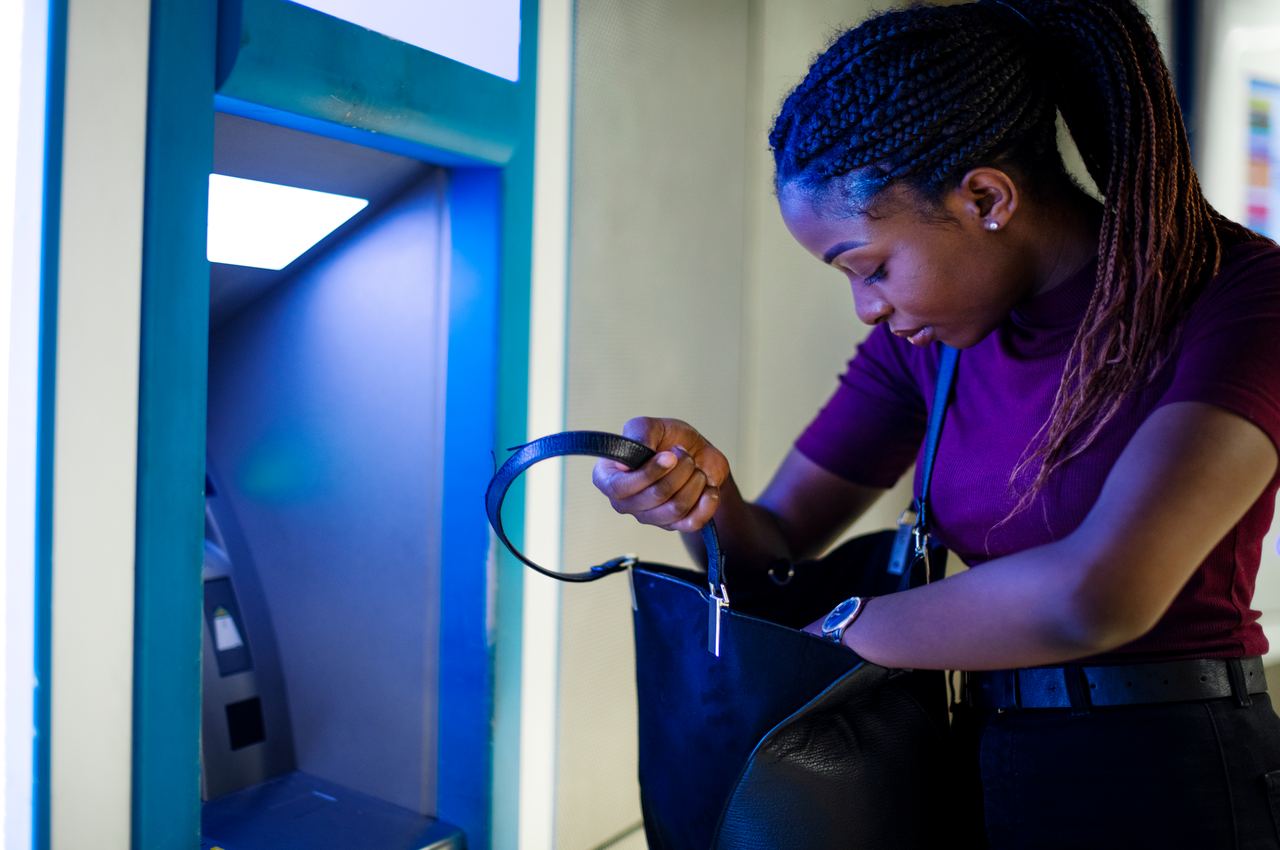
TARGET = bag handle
(594,444)
(633,455)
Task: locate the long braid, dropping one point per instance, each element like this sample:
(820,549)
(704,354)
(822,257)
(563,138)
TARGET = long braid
(1160,239)
(922,95)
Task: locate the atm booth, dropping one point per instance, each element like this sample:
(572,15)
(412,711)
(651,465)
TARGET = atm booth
(350,654)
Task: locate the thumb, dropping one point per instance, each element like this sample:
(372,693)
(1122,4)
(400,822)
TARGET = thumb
(646,430)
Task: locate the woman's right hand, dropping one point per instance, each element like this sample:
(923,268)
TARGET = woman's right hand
(678,488)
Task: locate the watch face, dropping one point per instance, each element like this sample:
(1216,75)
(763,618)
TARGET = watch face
(839,614)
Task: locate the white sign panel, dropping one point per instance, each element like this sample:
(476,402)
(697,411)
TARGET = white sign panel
(484,34)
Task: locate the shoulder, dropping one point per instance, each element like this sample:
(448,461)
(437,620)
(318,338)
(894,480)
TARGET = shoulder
(1228,351)
(1248,271)
(1245,258)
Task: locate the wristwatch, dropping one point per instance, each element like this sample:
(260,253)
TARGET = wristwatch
(842,616)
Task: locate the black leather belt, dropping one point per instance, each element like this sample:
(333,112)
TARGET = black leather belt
(1077,687)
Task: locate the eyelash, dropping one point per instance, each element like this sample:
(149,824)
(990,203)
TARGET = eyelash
(875,276)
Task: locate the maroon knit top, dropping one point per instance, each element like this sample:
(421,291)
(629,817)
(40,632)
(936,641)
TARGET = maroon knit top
(1228,355)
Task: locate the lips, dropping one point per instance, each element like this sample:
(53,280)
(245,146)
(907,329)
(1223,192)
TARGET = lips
(917,336)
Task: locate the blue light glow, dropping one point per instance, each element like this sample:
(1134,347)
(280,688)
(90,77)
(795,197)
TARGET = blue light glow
(268,226)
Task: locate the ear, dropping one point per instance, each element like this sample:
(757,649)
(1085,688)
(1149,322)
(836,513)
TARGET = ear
(983,197)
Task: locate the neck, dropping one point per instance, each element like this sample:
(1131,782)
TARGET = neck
(1069,223)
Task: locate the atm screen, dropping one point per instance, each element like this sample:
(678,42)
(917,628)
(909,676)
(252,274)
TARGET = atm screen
(222,614)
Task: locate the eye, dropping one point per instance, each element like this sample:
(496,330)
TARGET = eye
(876,276)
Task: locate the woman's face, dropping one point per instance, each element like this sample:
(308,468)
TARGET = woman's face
(949,280)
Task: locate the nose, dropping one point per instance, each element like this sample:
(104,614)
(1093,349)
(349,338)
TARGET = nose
(869,305)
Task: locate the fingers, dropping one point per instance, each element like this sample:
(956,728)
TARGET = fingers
(678,488)
(701,513)
(622,485)
(680,497)
(633,491)
(665,434)
(678,505)
(659,434)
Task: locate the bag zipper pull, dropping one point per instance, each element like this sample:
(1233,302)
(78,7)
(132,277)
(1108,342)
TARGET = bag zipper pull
(719,603)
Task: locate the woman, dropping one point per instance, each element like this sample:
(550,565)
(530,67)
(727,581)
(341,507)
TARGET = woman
(1109,458)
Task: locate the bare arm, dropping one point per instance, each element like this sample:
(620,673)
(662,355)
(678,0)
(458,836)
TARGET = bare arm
(800,514)
(1185,479)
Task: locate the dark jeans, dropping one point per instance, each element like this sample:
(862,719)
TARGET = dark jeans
(1202,775)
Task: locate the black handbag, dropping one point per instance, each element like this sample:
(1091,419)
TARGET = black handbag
(754,734)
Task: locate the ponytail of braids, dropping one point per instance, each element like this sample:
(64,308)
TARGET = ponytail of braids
(1160,241)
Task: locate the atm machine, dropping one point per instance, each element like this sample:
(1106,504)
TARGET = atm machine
(321,657)
(255,795)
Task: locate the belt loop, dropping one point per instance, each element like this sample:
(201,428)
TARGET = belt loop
(1015,683)
(1077,687)
(1239,687)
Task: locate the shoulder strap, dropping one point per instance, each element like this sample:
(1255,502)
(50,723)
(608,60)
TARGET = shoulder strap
(914,538)
(912,541)
(941,398)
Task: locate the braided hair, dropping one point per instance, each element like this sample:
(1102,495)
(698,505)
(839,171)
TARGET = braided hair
(919,96)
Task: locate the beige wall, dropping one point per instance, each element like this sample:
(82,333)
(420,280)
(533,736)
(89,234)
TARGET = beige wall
(656,260)
(798,314)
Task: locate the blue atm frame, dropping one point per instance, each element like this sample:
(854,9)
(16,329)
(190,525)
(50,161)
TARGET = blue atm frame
(277,61)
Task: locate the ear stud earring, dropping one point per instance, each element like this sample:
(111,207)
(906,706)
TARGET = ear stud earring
(993,225)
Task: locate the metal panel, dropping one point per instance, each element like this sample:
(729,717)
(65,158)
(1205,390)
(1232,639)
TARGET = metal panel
(174,328)
(299,60)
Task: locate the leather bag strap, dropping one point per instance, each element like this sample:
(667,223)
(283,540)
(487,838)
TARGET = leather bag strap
(594,444)
(633,455)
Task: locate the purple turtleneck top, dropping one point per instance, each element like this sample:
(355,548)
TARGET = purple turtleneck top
(1228,355)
